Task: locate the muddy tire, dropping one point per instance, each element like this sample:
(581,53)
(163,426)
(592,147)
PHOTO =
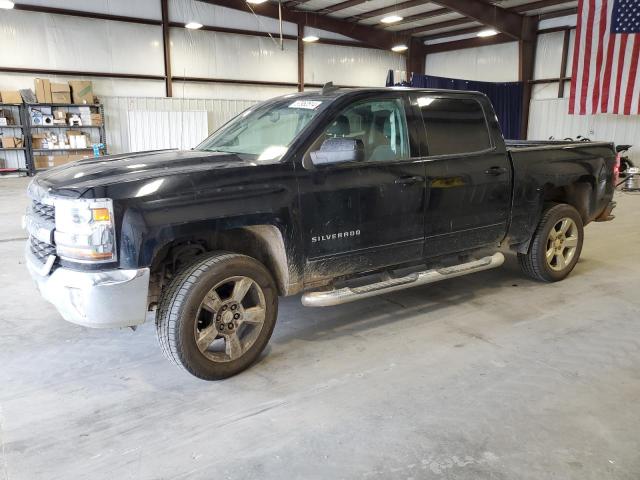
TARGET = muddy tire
(217,315)
(556,245)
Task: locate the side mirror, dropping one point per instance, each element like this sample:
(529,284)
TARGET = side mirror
(339,150)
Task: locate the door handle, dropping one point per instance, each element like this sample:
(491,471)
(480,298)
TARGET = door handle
(409,180)
(495,171)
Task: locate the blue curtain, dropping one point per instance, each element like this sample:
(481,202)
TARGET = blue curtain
(506,98)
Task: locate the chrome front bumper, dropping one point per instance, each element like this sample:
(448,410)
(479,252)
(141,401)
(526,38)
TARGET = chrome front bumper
(105,299)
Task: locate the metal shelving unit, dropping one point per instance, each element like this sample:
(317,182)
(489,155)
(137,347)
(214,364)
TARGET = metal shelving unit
(16,160)
(96,132)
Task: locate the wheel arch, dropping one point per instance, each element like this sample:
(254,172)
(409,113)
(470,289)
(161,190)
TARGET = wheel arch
(264,242)
(579,194)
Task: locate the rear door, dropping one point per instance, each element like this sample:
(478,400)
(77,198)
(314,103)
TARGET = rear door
(468,174)
(362,216)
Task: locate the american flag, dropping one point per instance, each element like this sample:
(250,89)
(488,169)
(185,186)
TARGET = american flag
(606,52)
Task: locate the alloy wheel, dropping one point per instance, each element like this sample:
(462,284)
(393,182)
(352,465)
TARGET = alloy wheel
(562,244)
(230,319)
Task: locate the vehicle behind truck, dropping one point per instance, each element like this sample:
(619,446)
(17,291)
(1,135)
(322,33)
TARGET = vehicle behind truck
(337,195)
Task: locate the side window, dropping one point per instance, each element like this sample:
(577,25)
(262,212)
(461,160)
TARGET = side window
(454,125)
(380,124)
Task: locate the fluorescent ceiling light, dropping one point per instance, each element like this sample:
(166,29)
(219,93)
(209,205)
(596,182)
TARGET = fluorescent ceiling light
(487,33)
(193,25)
(399,48)
(310,38)
(256,2)
(391,19)
(6,4)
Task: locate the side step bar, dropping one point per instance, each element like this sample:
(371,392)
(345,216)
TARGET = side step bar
(349,294)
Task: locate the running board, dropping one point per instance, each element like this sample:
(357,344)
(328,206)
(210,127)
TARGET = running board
(349,294)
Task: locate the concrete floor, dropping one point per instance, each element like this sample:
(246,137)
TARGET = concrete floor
(489,376)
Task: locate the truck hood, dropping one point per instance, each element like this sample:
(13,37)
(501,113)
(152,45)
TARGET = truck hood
(76,177)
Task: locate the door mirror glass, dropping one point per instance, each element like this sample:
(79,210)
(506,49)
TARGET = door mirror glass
(338,150)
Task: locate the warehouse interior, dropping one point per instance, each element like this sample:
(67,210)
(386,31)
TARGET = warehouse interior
(490,375)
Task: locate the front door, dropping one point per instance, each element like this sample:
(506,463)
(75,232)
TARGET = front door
(468,176)
(363,216)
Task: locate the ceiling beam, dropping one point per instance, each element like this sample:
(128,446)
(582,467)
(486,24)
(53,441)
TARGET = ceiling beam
(520,9)
(505,21)
(422,16)
(342,6)
(537,5)
(462,31)
(467,43)
(437,26)
(558,13)
(369,36)
(391,9)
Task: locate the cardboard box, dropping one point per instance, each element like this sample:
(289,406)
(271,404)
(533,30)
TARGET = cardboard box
(43,90)
(60,93)
(11,96)
(39,140)
(12,142)
(49,161)
(82,91)
(7,115)
(96,119)
(77,139)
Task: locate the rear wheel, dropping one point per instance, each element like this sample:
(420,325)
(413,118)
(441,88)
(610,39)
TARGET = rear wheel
(217,315)
(556,245)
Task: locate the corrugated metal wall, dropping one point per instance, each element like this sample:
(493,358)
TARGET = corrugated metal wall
(144,123)
(550,117)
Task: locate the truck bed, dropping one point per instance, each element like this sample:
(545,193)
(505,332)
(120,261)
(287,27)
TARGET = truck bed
(543,170)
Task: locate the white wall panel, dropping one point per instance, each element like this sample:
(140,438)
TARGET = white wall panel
(352,66)
(544,90)
(228,91)
(134,123)
(569,20)
(205,54)
(149,9)
(491,63)
(551,118)
(184,11)
(101,86)
(548,55)
(61,42)
(151,130)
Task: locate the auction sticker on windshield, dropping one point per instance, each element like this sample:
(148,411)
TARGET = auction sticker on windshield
(308,104)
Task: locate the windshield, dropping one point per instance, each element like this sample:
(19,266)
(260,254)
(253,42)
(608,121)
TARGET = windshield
(264,132)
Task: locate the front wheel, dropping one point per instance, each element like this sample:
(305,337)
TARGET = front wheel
(217,315)
(556,245)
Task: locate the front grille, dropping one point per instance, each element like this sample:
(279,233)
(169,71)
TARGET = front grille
(45,212)
(41,250)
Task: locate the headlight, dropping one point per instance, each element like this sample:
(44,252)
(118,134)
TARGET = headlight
(85,230)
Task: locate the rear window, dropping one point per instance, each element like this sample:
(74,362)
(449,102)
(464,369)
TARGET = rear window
(454,125)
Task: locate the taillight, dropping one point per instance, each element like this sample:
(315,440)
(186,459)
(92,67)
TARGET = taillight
(616,169)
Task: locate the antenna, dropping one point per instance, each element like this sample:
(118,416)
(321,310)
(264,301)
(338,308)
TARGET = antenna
(328,88)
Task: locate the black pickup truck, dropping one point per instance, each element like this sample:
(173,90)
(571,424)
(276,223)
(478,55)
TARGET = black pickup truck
(338,194)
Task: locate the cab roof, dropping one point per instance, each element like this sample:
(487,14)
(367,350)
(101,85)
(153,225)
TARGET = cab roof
(336,92)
